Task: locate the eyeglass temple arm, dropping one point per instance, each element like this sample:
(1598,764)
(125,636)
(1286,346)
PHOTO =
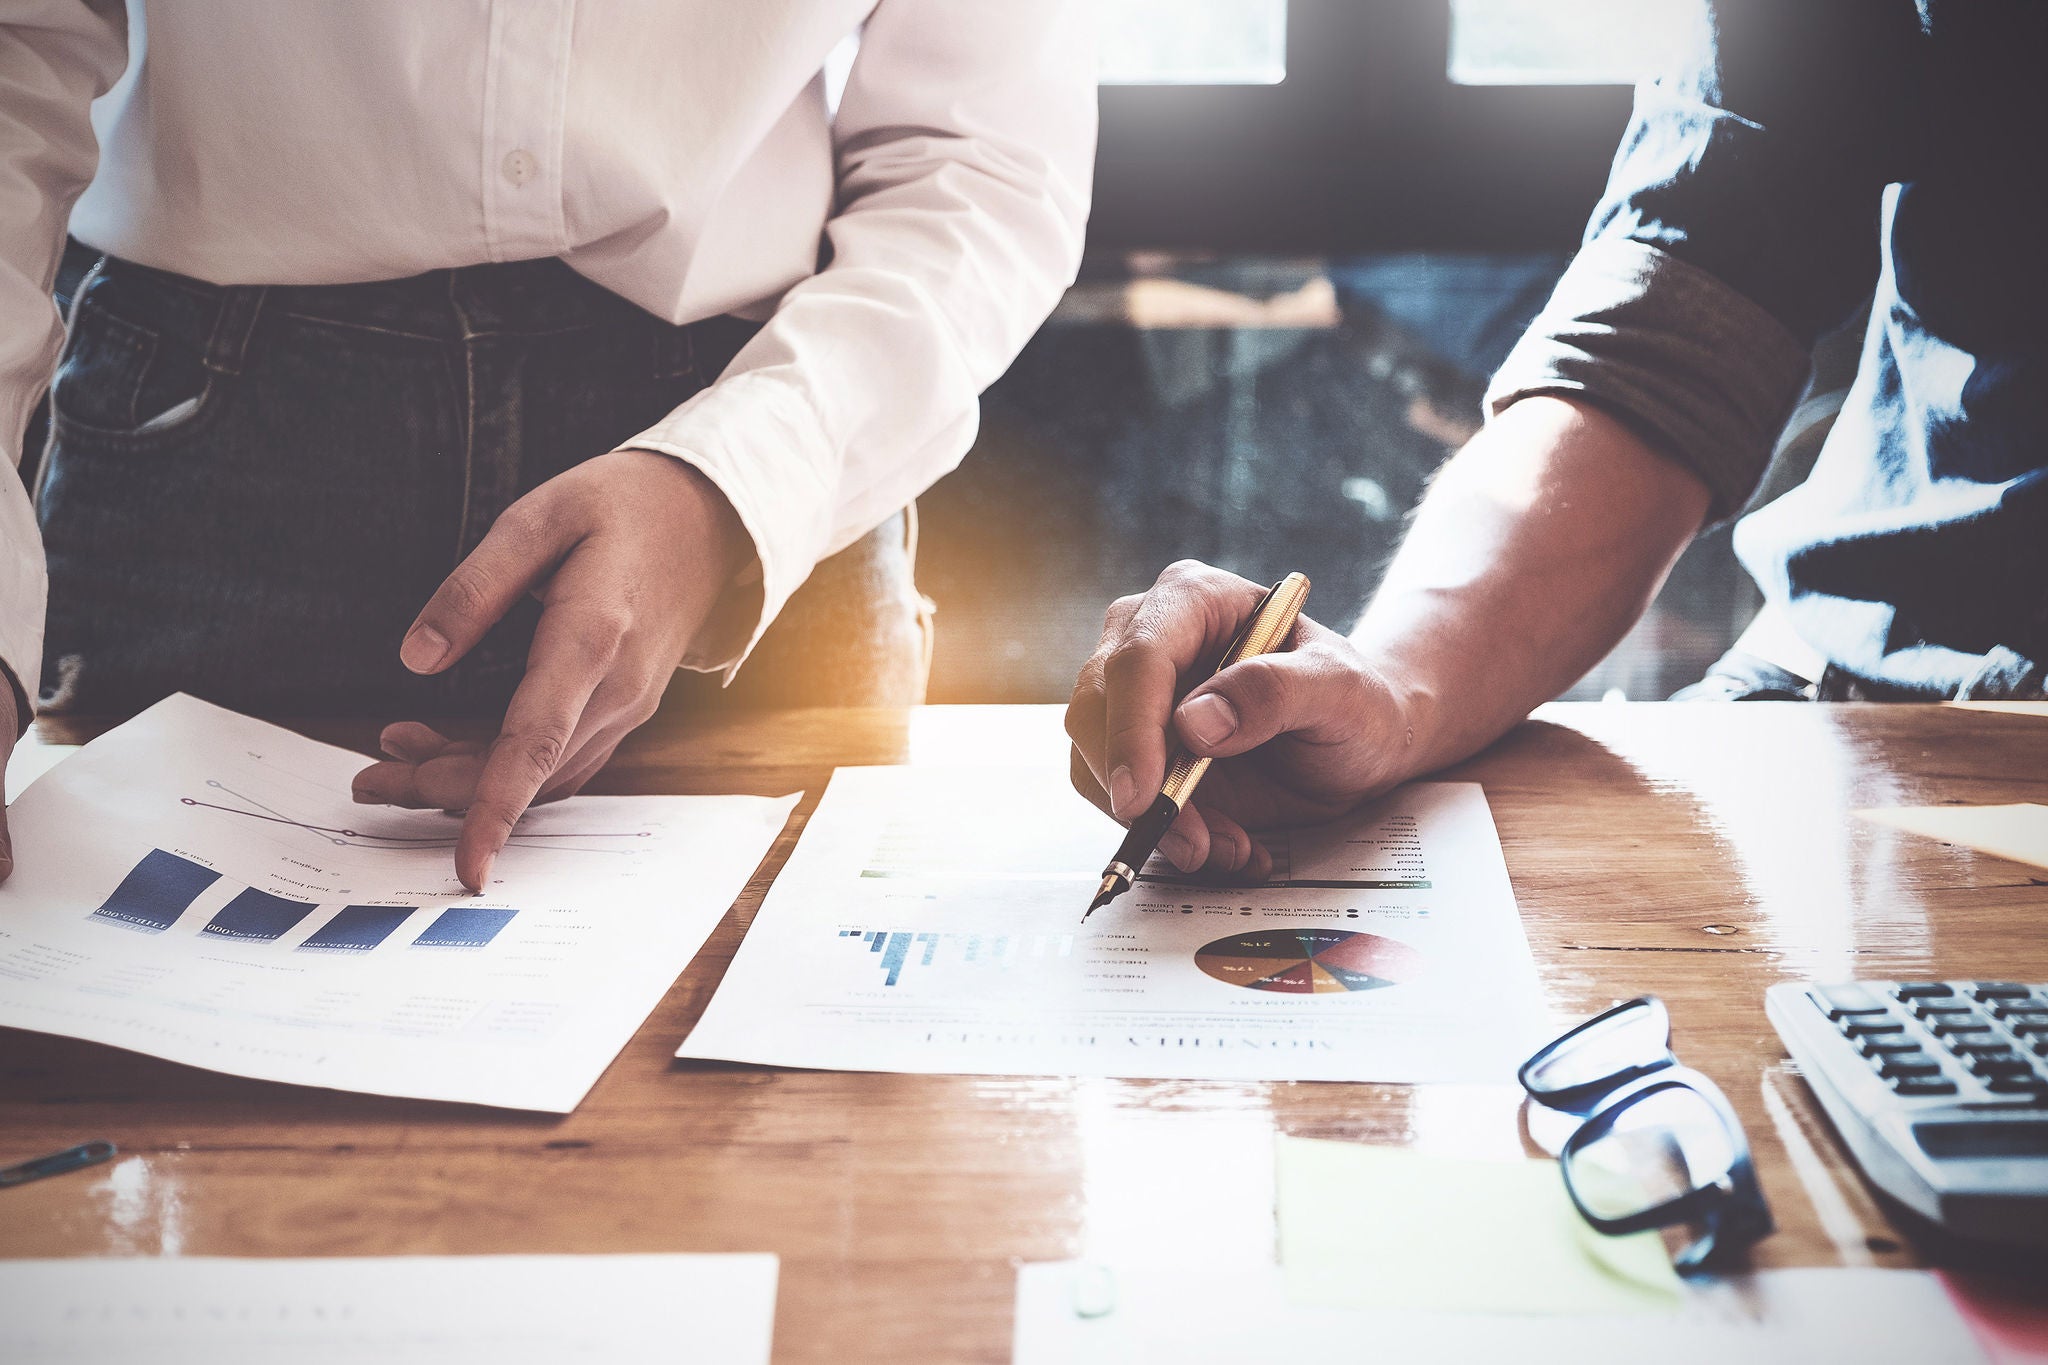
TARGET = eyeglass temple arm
(1730,1226)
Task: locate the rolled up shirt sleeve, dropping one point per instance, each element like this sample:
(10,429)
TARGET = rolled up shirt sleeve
(1739,225)
(964,142)
(56,57)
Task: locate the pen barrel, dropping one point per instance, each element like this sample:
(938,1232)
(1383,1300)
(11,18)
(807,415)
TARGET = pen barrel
(1271,623)
(1145,833)
(1182,776)
(1266,631)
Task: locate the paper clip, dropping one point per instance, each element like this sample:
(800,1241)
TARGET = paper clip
(56,1163)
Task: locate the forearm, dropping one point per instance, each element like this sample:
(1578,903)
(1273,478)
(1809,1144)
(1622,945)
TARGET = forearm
(1537,548)
(964,143)
(56,56)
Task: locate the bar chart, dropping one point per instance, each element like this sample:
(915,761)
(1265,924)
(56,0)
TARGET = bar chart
(896,950)
(164,886)
(465,926)
(356,929)
(258,916)
(161,888)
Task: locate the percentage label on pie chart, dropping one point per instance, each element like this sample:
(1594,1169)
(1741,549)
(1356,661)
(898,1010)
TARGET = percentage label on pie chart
(1309,961)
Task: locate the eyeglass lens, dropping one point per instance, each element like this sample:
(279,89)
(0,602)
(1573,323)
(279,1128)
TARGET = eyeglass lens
(1660,1148)
(1629,1038)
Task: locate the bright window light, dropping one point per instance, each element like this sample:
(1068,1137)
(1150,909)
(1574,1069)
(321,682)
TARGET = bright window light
(1564,42)
(1193,42)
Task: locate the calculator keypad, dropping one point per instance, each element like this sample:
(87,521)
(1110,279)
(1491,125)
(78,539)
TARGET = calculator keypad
(1969,1040)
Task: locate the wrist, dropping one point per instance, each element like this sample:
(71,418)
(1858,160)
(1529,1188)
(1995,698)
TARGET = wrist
(1412,705)
(706,516)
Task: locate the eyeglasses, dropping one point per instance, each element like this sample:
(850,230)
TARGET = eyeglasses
(1658,1144)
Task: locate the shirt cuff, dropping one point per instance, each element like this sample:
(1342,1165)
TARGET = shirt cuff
(1707,375)
(781,500)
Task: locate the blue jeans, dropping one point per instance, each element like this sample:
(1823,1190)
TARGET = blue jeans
(250,492)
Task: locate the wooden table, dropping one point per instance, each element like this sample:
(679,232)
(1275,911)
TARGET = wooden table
(1699,852)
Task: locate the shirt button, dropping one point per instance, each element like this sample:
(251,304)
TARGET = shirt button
(519,166)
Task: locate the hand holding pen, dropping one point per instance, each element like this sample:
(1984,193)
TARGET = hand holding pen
(1269,626)
(1298,736)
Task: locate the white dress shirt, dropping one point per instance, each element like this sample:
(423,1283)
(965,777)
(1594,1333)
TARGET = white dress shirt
(681,153)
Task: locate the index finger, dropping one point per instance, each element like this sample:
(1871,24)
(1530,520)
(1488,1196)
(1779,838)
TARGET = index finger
(539,723)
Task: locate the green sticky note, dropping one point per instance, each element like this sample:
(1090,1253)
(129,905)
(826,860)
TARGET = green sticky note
(1384,1227)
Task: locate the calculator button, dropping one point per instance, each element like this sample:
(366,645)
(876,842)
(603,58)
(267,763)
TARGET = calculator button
(1986,1047)
(1958,1028)
(2002,1066)
(1924,990)
(2016,1085)
(1940,1009)
(1922,1065)
(1842,1001)
(1916,1085)
(1870,1028)
(2000,990)
(1885,1047)
(2024,1021)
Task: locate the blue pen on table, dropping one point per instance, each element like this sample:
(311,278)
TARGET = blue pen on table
(56,1163)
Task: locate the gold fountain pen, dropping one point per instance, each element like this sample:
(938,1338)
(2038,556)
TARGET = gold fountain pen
(1267,630)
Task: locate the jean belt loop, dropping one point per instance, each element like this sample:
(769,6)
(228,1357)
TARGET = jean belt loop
(240,305)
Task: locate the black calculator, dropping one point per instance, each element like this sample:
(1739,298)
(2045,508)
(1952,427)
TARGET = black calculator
(1940,1090)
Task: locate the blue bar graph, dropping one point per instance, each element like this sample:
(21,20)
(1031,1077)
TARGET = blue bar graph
(897,949)
(464,926)
(257,916)
(159,889)
(356,929)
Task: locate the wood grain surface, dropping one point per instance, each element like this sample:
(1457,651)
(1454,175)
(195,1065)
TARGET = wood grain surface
(1700,852)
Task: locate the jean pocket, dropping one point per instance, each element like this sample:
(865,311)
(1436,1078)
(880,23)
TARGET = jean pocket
(127,385)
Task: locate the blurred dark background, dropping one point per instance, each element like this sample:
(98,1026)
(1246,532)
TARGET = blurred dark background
(1319,226)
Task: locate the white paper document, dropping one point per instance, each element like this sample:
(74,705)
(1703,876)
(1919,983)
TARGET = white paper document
(1073,1313)
(198,886)
(930,920)
(396,1310)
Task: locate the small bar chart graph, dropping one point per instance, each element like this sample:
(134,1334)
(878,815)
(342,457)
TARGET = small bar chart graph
(159,889)
(356,929)
(258,917)
(465,926)
(897,949)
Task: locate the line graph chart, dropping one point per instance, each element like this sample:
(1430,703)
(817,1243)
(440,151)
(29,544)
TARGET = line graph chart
(567,841)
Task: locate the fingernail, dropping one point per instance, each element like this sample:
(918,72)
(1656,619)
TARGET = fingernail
(1122,787)
(1209,719)
(1178,850)
(423,650)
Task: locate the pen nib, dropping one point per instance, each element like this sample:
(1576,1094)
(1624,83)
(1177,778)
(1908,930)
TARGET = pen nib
(1111,888)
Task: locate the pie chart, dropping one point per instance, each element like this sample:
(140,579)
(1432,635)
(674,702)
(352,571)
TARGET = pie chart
(1309,961)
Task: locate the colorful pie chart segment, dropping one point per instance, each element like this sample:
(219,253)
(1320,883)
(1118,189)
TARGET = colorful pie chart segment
(1309,961)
